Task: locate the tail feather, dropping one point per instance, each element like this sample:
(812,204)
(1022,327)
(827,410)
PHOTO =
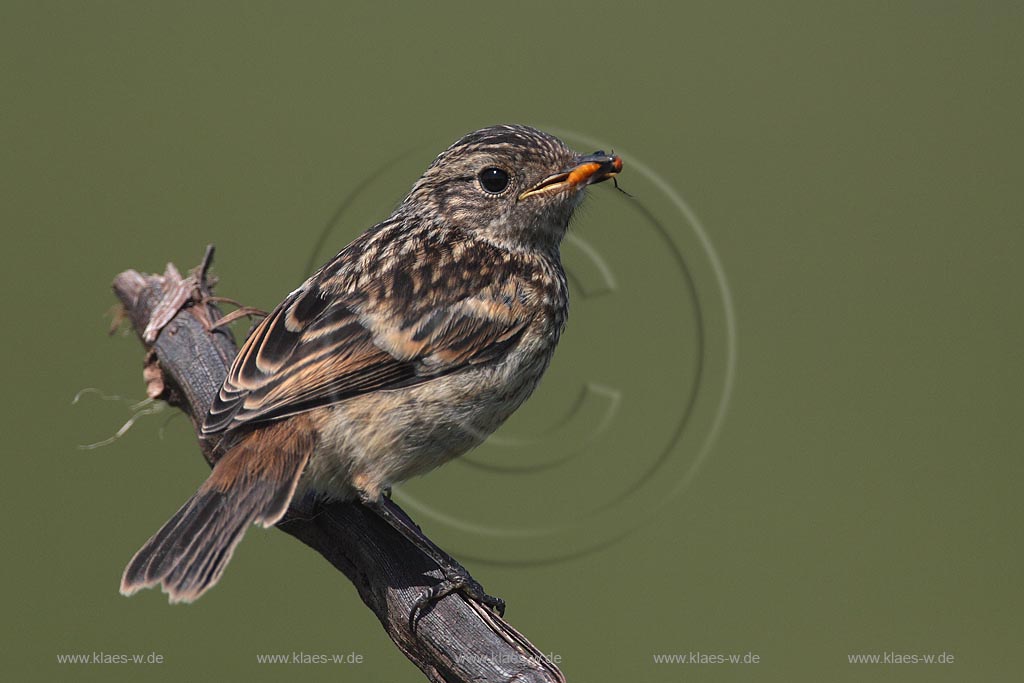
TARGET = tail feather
(203,562)
(189,553)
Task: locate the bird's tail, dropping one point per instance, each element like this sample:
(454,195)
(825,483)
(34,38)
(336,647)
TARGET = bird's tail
(253,483)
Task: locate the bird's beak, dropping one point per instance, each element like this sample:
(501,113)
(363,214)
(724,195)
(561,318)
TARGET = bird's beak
(585,170)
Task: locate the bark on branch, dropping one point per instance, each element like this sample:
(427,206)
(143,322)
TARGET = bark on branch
(455,639)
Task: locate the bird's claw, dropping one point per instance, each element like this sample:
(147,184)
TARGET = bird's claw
(455,580)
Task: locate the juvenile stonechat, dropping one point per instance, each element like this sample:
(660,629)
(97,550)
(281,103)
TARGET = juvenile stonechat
(404,351)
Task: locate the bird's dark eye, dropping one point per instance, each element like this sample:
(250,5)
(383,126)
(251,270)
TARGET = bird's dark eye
(494,180)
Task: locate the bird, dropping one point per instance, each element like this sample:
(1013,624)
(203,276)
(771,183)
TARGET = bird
(404,351)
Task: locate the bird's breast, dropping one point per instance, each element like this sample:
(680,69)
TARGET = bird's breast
(385,437)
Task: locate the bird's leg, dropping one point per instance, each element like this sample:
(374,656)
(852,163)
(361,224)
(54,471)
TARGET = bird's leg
(456,579)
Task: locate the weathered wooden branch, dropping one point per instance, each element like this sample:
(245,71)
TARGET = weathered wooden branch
(453,640)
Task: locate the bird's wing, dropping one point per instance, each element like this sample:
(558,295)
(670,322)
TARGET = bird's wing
(320,347)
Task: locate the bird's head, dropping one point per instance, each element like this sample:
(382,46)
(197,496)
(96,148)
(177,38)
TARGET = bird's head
(514,186)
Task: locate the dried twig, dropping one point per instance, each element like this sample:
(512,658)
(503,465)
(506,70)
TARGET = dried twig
(455,639)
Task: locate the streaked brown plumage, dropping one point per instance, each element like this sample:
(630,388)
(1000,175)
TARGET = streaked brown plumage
(407,349)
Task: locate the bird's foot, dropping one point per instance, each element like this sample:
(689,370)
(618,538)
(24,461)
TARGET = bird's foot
(455,580)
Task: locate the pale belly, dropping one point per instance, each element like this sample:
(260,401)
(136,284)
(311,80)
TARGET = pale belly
(372,442)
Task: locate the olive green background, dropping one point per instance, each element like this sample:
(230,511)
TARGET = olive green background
(857,168)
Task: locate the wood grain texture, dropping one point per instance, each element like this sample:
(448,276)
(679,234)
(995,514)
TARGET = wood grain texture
(454,640)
